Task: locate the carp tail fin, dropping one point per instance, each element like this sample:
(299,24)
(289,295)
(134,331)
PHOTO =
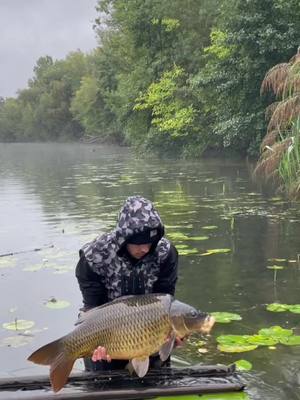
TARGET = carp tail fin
(61,364)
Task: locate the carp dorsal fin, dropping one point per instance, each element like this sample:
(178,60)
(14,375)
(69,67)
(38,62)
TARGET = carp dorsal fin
(140,365)
(167,347)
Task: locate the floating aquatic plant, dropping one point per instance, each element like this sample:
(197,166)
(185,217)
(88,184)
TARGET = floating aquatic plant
(187,252)
(225,317)
(265,337)
(33,268)
(243,365)
(275,268)
(57,304)
(262,340)
(236,348)
(15,341)
(277,307)
(290,340)
(178,236)
(209,252)
(210,227)
(7,262)
(276,332)
(18,324)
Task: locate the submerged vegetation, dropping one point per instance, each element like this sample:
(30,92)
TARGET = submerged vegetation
(178,77)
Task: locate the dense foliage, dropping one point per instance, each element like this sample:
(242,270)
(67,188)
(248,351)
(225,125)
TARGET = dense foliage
(280,148)
(172,76)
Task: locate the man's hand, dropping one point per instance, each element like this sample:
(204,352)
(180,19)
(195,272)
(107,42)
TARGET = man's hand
(100,354)
(179,342)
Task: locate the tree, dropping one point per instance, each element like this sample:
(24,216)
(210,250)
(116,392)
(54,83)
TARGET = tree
(248,38)
(280,148)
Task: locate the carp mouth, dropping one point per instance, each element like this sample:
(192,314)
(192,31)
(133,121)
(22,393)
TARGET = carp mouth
(207,325)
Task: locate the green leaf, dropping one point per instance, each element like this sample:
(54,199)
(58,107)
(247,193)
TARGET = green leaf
(7,262)
(233,339)
(275,267)
(236,348)
(15,341)
(199,238)
(277,307)
(187,252)
(276,332)
(290,340)
(57,304)
(225,317)
(294,308)
(210,227)
(18,324)
(243,365)
(209,252)
(263,340)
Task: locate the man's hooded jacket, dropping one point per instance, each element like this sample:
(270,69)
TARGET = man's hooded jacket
(106,270)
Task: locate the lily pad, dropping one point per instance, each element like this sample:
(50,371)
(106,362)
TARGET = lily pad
(177,236)
(210,227)
(277,259)
(33,268)
(275,267)
(57,304)
(276,332)
(225,317)
(15,341)
(209,252)
(18,324)
(263,340)
(294,308)
(199,238)
(290,340)
(187,252)
(225,396)
(237,348)
(277,307)
(7,262)
(243,365)
(182,246)
(233,339)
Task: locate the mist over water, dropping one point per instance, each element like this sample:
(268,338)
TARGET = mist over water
(63,195)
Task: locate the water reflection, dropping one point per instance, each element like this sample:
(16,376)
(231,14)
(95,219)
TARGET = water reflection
(65,195)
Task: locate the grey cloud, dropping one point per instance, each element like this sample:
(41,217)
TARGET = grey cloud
(30,29)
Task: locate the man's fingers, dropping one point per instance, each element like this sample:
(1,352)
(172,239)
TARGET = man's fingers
(100,354)
(179,342)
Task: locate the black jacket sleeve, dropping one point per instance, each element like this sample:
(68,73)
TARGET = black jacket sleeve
(93,290)
(168,273)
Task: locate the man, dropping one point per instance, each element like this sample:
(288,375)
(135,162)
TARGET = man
(135,258)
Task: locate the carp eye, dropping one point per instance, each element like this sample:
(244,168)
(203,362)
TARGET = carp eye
(193,314)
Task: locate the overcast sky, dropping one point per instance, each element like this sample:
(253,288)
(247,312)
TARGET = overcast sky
(30,29)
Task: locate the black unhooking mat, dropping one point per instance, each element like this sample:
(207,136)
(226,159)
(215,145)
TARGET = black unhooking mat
(120,385)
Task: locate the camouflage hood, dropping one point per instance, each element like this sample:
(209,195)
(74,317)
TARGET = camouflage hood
(105,253)
(137,216)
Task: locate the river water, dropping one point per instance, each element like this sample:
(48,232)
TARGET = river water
(56,197)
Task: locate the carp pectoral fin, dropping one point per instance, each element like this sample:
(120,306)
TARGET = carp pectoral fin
(167,348)
(140,365)
(60,371)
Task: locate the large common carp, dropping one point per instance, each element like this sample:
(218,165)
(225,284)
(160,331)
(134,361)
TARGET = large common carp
(130,328)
